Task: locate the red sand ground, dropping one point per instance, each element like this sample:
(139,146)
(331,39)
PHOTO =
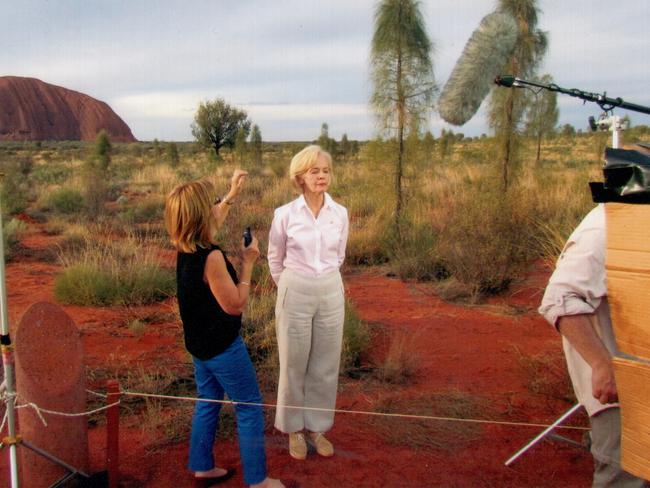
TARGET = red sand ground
(474,350)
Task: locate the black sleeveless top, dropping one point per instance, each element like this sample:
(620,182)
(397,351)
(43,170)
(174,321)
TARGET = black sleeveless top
(208,330)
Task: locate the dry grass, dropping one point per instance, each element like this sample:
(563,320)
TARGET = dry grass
(400,364)
(428,433)
(546,375)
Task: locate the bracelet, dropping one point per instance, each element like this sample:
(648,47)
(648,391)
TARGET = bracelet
(245,283)
(227,201)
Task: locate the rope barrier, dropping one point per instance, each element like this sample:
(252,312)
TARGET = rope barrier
(6,398)
(39,411)
(358,412)
(101,395)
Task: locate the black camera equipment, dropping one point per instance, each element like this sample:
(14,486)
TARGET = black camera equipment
(606,103)
(248,237)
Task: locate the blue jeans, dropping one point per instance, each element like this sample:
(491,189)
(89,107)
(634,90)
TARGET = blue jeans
(230,372)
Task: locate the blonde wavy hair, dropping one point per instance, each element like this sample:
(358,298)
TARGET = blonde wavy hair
(188,215)
(304,161)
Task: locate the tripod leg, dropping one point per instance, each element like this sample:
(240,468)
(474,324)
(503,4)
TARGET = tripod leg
(52,458)
(543,434)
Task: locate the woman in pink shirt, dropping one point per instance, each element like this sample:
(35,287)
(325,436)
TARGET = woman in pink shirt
(306,249)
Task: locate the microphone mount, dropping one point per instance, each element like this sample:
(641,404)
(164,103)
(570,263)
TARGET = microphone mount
(605,102)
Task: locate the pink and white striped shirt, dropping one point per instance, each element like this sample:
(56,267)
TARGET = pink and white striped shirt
(310,246)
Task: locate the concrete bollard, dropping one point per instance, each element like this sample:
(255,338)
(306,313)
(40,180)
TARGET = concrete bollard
(50,373)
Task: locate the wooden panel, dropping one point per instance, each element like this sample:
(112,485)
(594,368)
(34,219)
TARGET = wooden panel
(628,276)
(633,382)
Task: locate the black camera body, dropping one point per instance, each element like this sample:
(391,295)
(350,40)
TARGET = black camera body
(248,237)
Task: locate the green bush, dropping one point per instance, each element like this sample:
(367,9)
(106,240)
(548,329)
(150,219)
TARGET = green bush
(14,191)
(146,211)
(485,242)
(356,339)
(66,201)
(11,233)
(103,272)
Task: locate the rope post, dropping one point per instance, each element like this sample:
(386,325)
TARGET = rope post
(113,433)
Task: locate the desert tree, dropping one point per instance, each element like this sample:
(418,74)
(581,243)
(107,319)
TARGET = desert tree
(541,113)
(102,150)
(256,144)
(428,144)
(174,157)
(325,141)
(216,124)
(344,145)
(241,146)
(567,130)
(507,106)
(157,151)
(402,78)
(95,175)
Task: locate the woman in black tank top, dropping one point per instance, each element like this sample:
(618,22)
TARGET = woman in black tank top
(211,299)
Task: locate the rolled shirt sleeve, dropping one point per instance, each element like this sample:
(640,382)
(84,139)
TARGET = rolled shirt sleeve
(578,284)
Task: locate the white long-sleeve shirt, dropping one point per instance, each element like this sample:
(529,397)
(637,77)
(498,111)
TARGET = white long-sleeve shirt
(579,286)
(310,246)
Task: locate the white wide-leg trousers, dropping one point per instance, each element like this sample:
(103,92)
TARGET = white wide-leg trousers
(309,314)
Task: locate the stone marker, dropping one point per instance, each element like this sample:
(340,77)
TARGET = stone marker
(50,373)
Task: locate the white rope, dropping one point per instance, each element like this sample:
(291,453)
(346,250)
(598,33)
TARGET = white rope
(38,411)
(358,412)
(6,397)
(96,393)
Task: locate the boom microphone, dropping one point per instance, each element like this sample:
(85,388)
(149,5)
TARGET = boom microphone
(484,56)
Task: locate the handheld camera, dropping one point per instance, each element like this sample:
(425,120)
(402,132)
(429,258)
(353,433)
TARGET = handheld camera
(248,237)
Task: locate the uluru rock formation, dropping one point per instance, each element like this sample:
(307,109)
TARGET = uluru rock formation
(31,110)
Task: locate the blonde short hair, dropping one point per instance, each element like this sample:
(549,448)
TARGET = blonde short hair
(188,215)
(304,161)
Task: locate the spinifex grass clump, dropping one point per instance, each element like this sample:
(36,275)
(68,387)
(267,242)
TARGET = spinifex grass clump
(107,272)
(429,433)
(11,232)
(356,339)
(65,200)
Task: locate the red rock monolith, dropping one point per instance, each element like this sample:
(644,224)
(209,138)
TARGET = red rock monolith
(50,374)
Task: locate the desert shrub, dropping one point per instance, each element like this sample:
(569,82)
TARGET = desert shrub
(108,273)
(96,190)
(14,190)
(258,331)
(145,211)
(415,256)
(399,365)
(11,232)
(158,178)
(369,241)
(546,375)
(65,200)
(484,239)
(53,174)
(356,339)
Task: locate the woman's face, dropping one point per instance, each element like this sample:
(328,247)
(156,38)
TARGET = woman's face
(317,179)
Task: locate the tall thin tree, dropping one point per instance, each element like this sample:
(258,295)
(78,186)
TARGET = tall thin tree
(507,105)
(541,113)
(402,75)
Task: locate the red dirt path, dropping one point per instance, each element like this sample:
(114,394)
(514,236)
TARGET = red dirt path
(474,350)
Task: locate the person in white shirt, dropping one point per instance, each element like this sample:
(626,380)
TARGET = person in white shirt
(306,249)
(575,302)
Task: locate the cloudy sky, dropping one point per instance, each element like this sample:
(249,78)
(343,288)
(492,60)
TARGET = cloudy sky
(294,64)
